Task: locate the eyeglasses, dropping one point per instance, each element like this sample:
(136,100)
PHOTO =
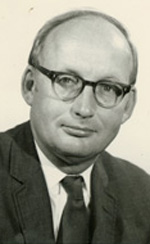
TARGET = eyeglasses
(67,87)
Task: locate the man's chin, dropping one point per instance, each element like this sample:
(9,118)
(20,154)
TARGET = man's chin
(75,154)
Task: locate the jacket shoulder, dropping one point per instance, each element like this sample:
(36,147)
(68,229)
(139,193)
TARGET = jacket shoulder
(20,136)
(121,163)
(131,183)
(122,170)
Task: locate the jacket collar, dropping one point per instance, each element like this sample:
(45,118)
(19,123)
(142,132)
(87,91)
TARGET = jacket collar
(103,205)
(30,193)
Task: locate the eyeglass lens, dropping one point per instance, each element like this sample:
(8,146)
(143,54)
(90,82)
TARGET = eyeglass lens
(68,87)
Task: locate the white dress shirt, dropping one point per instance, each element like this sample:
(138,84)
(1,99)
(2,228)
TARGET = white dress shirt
(57,194)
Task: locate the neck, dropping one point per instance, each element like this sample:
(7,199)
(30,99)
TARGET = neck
(69,164)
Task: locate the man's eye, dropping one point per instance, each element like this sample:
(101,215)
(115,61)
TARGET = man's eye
(107,87)
(111,88)
(66,81)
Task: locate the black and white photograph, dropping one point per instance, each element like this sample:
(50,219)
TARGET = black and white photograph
(74,125)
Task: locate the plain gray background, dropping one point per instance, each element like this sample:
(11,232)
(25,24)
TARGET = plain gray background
(19,22)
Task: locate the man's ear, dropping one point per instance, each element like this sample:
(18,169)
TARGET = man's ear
(129,107)
(28,86)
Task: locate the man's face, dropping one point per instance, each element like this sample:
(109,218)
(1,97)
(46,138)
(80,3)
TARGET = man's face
(94,50)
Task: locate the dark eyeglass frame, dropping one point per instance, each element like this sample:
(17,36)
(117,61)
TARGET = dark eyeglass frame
(51,74)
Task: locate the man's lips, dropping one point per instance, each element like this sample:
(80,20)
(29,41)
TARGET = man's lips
(78,131)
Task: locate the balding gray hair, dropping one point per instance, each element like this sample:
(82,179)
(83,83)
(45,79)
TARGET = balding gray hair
(59,20)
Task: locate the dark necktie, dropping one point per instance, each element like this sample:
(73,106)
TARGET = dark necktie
(74,226)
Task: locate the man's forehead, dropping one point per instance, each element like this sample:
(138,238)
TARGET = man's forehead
(92,30)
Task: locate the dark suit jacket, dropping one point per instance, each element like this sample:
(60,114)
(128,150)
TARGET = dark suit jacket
(120,205)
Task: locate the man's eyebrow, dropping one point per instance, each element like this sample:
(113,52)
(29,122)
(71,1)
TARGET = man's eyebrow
(73,72)
(110,78)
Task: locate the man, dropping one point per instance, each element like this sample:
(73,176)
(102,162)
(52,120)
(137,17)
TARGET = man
(80,84)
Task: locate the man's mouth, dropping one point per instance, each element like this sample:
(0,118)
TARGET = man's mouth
(78,131)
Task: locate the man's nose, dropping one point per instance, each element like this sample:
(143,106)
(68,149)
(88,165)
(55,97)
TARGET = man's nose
(85,104)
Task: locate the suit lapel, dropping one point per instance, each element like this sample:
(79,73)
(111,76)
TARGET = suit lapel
(31,197)
(103,206)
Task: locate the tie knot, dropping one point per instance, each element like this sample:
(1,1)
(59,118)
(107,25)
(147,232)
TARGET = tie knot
(73,186)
